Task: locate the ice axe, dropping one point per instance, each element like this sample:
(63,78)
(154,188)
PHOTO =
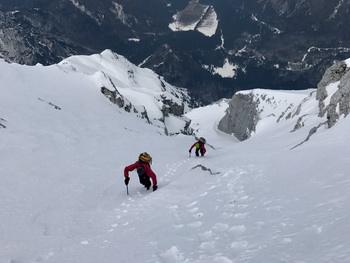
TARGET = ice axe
(126,181)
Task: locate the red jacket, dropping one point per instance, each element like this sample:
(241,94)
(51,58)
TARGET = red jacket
(199,145)
(146,167)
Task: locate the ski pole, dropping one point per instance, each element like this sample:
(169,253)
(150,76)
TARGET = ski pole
(127,190)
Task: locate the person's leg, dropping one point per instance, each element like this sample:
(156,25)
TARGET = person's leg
(147,182)
(202,152)
(197,152)
(142,179)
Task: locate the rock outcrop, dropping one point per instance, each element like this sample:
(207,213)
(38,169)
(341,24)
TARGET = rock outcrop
(241,116)
(336,79)
(314,108)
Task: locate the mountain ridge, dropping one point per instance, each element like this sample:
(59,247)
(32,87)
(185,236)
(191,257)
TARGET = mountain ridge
(269,44)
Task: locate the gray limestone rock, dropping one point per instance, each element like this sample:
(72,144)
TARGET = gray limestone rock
(332,74)
(241,116)
(339,101)
(116,98)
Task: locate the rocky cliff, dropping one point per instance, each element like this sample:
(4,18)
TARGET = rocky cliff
(250,111)
(242,116)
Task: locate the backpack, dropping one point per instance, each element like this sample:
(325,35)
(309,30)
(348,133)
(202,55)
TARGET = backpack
(140,170)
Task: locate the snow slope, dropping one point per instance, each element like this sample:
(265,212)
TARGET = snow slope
(63,199)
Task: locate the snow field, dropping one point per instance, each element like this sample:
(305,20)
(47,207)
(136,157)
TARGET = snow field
(63,198)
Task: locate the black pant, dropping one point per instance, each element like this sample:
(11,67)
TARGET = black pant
(199,150)
(145,180)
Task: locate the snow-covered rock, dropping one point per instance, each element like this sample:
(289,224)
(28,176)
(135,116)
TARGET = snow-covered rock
(133,88)
(250,111)
(136,90)
(333,92)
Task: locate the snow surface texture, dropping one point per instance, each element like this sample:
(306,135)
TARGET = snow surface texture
(62,197)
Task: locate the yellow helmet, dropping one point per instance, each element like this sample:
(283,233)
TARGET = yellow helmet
(145,157)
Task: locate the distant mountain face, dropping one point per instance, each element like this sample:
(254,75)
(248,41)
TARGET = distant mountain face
(212,48)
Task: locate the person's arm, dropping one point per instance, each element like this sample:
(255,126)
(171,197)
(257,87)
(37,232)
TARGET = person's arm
(152,175)
(130,168)
(193,146)
(204,150)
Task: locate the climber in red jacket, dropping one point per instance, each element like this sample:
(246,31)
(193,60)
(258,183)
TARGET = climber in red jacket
(199,147)
(144,171)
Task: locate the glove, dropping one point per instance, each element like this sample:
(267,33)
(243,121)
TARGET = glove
(189,151)
(126,180)
(155,188)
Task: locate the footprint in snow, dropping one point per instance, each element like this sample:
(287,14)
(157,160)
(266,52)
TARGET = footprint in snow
(39,259)
(178,226)
(113,226)
(222,259)
(226,215)
(286,240)
(173,207)
(195,209)
(206,236)
(239,245)
(198,215)
(195,224)
(240,215)
(243,198)
(219,227)
(239,229)
(192,204)
(172,255)
(208,246)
